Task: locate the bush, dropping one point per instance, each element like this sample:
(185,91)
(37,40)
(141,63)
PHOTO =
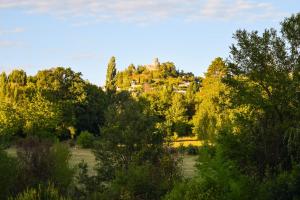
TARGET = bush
(192,150)
(85,139)
(5,141)
(141,182)
(284,186)
(181,149)
(8,174)
(62,173)
(41,193)
(42,162)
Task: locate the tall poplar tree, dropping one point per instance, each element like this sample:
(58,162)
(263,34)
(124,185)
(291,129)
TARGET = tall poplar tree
(111,75)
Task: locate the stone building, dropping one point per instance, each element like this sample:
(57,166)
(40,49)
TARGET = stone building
(154,66)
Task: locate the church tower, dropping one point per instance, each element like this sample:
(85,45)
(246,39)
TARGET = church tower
(156,64)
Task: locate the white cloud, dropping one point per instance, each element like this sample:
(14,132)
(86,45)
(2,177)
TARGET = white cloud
(11,31)
(10,43)
(144,11)
(236,9)
(7,43)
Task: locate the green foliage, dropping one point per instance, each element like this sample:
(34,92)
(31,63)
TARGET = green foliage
(130,155)
(216,180)
(62,173)
(285,186)
(137,182)
(10,120)
(263,75)
(111,75)
(39,115)
(246,111)
(40,193)
(86,139)
(53,103)
(181,149)
(42,162)
(8,174)
(210,113)
(192,150)
(176,116)
(249,112)
(168,69)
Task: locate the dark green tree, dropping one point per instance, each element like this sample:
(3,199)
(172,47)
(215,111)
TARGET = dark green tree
(111,72)
(132,160)
(264,75)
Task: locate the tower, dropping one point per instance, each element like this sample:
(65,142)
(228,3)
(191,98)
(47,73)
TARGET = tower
(156,63)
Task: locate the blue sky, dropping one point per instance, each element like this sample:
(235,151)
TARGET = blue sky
(84,34)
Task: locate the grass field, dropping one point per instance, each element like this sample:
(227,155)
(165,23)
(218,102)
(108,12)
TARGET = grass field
(79,154)
(186,141)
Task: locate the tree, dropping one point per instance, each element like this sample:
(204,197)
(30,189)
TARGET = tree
(72,96)
(130,154)
(15,85)
(89,114)
(110,84)
(176,116)
(168,69)
(3,85)
(40,116)
(263,72)
(209,114)
(10,120)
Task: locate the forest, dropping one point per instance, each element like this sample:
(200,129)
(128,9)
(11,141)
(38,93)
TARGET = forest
(245,111)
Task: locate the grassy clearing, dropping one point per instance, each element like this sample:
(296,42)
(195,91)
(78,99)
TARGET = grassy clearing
(186,141)
(196,143)
(79,154)
(86,155)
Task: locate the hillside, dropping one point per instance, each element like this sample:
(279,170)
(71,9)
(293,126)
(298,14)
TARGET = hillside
(146,78)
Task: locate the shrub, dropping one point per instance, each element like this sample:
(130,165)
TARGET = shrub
(283,186)
(40,193)
(36,162)
(5,141)
(192,150)
(42,162)
(86,139)
(8,174)
(141,182)
(62,173)
(181,149)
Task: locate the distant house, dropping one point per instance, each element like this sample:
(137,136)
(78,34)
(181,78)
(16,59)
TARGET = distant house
(133,83)
(184,84)
(180,91)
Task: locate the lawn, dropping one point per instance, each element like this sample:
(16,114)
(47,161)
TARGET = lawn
(186,141)
(79,154)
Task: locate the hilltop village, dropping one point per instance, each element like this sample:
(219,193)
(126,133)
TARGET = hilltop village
(146,78)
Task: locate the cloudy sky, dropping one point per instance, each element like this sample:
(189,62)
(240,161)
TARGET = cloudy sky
(84,34)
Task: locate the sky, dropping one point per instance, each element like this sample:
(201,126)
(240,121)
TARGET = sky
(84,34)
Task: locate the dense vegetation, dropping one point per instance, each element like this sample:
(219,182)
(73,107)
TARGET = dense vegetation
(246,110)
